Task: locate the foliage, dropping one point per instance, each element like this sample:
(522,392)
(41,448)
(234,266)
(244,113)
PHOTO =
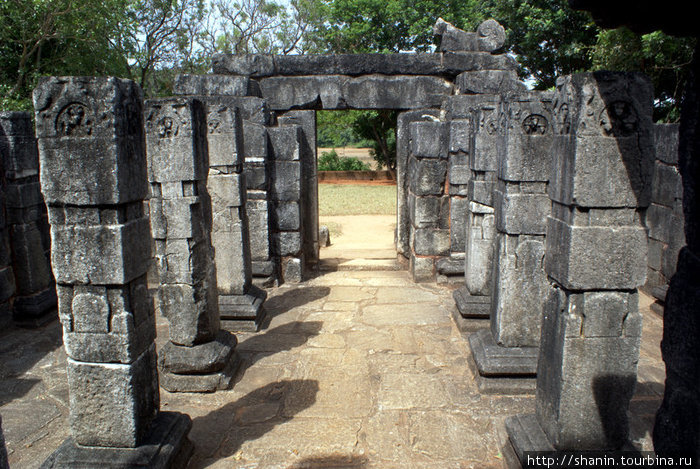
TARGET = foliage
(663,58)
(380,127)
(335,129)
(330,161)
(58,37)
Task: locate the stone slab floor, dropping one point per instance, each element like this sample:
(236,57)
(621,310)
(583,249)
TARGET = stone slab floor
(354,369)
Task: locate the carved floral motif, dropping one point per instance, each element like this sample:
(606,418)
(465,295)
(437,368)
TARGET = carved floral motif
(74,121)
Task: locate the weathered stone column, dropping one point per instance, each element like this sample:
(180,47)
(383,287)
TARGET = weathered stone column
(596,257)
(199,356)
(429,206)
(240,302)
(7,277)
(93,178)
(474,299)
(26,219)
(508,351)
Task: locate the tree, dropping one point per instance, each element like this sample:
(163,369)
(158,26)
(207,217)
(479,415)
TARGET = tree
(59,37)
(380,128)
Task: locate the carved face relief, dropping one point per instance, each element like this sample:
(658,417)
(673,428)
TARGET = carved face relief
(535,124)
(73,120)
(618,119)
(563,119)
(166,127)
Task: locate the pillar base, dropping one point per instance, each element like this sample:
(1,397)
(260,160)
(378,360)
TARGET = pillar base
(205,367)
(468,325)
(506,370)
(472,306)
(35,310)
(243,313)
(166,446)
(524,434)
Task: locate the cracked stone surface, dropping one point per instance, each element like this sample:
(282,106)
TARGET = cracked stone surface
(355,369)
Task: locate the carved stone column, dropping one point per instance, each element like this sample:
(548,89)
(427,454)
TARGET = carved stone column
(199,356)
(596,257)
(93,178)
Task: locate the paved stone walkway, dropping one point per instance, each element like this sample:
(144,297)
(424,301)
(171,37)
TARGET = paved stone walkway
(355,369)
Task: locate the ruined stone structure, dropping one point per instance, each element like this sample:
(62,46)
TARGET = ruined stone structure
(93,178)
(596,258)
(26,225)
(539,200)
(199,356)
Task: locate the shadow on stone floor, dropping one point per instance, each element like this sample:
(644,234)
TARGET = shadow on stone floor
(291,299)
(331,462)
(20,350)
(248,418)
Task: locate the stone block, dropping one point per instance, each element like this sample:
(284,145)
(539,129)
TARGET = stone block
(526,157)
(422,269)
(191,310)
(20,157)
(429,211)
(101,161)
(458,222)
(481,187)
(226,190)
(212,85)
(516,315)
(288,243)
(428,139)
(489,36)
(666,143)
(224,135)
(667,187)
(465,106)
(101,324)
(286,142)
(518,212)
(35,309)
(22,195)
(431,242)
(292,270)
(113,404)
(232,257)
(255,141)
(257,211)
(460,136)
(427,177)
(286,181)
(96,254)
(595,257)
(16,123)
(587,377)
(459,174)
(479,255)
(451,266)
(655,253)
(600,172)
(30,264)
(176,138)
(251,108)
(182,218)
(488,82)
(288,216)
(256,177)
(658,220)
(182,260)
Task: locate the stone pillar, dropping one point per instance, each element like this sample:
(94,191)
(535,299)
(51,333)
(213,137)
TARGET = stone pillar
(485,135)
(403,218)
(199,356)
(677,428)
(596,257)
(93,178)
(286,194)
(240,302)
(309,184)
(508,351)
(428,205)
(7,277)
(26,221)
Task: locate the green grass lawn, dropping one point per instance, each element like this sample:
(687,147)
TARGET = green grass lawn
(350,199)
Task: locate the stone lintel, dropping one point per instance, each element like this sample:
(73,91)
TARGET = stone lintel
(448,64)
